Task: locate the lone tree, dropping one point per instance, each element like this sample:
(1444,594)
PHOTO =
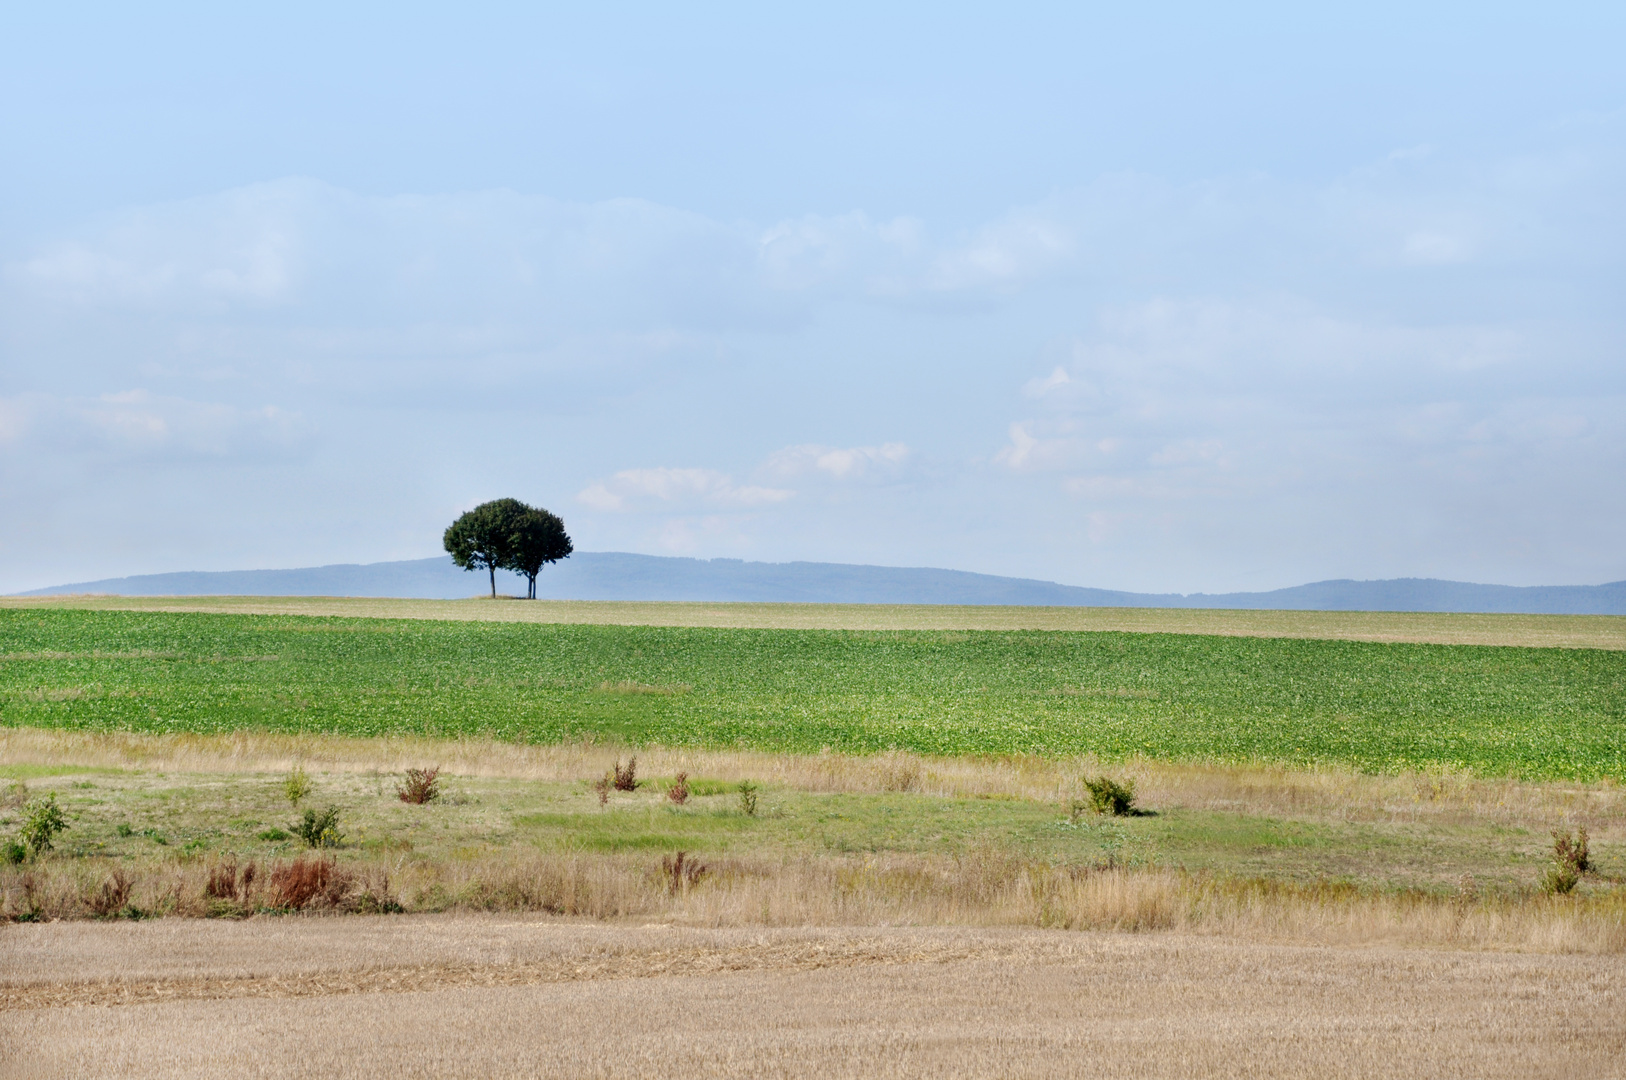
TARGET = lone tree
(539,539)
(505,534)
(484,538)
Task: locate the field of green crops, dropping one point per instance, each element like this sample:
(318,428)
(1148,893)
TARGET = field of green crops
(1537,713)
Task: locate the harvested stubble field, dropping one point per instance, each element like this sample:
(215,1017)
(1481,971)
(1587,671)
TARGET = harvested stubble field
(428,996)
(1493,710)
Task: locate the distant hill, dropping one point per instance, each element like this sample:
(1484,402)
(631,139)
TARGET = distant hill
(611,575)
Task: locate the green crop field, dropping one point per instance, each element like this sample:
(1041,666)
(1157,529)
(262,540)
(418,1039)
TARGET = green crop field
(1530,712)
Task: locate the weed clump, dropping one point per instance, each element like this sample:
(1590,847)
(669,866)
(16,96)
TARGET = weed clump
(625,779)
(320,830)
(297,786)
(113,899)
(601,788)
(682,872)
(226,883)
(1572,857)
(679,791)
(1108,796)
(420,786)
(748,798)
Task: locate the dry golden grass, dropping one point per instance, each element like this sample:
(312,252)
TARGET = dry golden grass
(519,997)
(1566,631)
(983,889)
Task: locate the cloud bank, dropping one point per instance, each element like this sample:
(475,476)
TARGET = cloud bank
(1238,382)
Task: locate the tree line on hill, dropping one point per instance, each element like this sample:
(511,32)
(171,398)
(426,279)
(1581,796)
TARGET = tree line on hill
(506,534)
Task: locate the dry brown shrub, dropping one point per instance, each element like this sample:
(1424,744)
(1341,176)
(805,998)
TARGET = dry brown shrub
(682,872)
(679,791)
(308,882)
(625,779)
(420,786)
(225,882)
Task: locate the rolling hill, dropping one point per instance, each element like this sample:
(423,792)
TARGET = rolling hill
(610,575)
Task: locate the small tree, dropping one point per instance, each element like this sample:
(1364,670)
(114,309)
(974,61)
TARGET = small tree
(485,537)
(539,539)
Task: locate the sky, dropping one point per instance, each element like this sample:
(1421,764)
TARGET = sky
(1157,297)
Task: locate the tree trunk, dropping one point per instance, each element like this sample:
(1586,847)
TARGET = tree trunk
(493,568)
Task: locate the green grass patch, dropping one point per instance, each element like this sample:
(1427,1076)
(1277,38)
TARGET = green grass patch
(1536,713)
(30,772)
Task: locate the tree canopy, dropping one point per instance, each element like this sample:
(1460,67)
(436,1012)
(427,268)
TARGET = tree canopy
(506,534)
(539,539)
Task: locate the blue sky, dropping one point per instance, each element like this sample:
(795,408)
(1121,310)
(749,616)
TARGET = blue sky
(1168,298)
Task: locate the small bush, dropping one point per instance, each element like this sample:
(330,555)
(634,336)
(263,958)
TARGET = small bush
(601,788)
(1573,851)
(748,798)
(625,779)
(1572,857)
(42,821)
(1108,796)
(305,882)
(682,872)
(271,835)
(420,786)
(320,830)
(297,786)
(1560,879)
(13,852)
(679,791)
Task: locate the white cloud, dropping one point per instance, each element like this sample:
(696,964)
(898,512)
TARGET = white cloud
(137,423)
(838,463)
(633,487)
(1037,388)
(1016,454)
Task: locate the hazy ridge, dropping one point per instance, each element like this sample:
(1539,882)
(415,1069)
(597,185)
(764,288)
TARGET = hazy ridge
(608,575)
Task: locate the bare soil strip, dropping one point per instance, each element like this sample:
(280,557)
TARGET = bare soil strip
(499,997)
(1554,631)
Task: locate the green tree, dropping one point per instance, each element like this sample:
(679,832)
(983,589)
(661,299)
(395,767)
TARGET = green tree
(485,537)
(539,539)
